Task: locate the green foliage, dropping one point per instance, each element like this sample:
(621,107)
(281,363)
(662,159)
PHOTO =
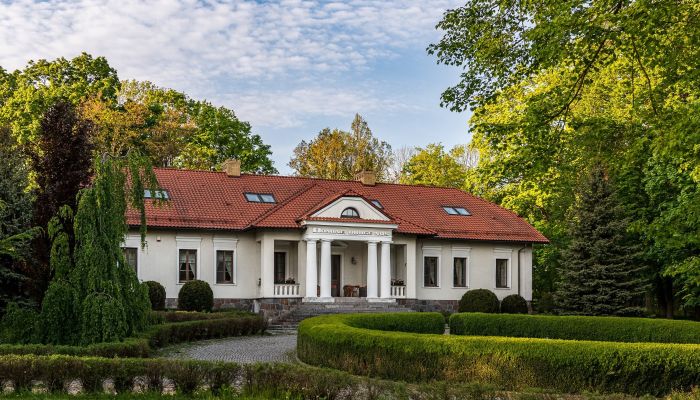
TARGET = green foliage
(336,154)
(609,329)
(479,300)
(17,325)
(213,328)
(425,322)
(195,295)
(514,304)
(545,304)
(508,363)
(602,274)
(433,166)
(185,316)
(156,293)
(58,318)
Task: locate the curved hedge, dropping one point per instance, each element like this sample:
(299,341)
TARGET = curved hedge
(609,329)
(511,363)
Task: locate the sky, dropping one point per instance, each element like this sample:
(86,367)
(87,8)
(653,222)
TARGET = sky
(290,68)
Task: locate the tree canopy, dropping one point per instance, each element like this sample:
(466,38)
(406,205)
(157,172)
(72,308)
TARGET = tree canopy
(436,167)
(337,154)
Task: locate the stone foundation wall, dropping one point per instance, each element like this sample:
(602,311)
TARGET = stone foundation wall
(222,304)
(430,305)
(274,309)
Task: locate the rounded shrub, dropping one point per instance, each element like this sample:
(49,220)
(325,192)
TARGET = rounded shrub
(156,292)
(479,300)
(195,296)
(514,304)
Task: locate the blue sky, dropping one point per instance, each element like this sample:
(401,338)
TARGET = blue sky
(290,67)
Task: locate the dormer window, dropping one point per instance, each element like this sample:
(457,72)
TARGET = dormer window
(456,210)
(156,194)
(350,212)
(377,203)
(260,197)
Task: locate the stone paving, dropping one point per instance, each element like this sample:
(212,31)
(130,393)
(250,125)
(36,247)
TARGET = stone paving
(273,347)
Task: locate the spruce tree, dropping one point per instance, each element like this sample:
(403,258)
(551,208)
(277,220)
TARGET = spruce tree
(601,273)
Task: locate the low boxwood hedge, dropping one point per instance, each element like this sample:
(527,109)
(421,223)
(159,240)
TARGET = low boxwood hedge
(430,322)
(509,363)
(610,329)
(223,325)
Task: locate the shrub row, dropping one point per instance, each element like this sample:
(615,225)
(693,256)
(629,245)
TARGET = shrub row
(486,301)
(429,322)
(508,363)
(185,316)
(613,329)
(157,336)
(268,380)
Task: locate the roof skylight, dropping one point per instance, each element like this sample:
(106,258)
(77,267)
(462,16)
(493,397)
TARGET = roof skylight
(377,203)
(260,197)
(156,194)
(456,210)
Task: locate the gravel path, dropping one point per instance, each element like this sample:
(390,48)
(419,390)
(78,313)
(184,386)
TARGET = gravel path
(274,347)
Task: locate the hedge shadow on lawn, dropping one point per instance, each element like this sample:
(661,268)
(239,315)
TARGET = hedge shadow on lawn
(344,342)
(609,329)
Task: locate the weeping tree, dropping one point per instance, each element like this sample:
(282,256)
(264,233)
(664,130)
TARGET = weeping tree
(94,286)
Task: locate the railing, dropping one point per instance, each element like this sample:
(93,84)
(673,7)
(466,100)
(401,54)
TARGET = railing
(398,291)
(286,290)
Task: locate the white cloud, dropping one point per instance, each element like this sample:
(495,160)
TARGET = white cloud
(194,46)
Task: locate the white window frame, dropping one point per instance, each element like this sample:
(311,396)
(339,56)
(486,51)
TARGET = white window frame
(503,254)
(432,251)
(462,252)
(188,243)
(135,241)
(225,244)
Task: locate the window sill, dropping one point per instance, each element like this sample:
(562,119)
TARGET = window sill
(226,284)
(460,287)
(502,288)
(431,287)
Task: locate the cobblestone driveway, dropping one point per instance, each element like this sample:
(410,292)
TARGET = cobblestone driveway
(275,347)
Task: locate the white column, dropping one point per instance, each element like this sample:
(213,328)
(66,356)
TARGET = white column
(267,266)
(311,269)
(411,273)
(372,270)
(325,268)
(386,270)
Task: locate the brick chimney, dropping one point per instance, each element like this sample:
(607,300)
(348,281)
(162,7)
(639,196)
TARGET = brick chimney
(368,178)
(232,167)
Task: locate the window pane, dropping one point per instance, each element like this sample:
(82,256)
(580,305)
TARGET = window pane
(350,213)
(450,210)
(267,198)
(460,272)
(252,197)
(377,203)
(502,273)
(131,257)
(224,266)
(188,265)
(462,211)
(280,267)
(430,271)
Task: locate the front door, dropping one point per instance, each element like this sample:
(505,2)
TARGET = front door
(335,275)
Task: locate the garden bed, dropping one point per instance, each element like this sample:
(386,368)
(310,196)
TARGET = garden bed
(339,341)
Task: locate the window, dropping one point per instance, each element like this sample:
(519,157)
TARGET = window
(260,197)
(459,270)
(156,194)
(377,203)
(131,257)
(224,266)
(350,212)
(430,271)
(456,210)
(501,273)
(280,267)
(188,265)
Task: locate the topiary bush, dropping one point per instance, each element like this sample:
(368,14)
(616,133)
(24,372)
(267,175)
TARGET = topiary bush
(514,304)
(156,292)
(479,300)
(195,296)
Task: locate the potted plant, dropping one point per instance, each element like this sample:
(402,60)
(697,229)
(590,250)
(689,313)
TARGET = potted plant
(290,281)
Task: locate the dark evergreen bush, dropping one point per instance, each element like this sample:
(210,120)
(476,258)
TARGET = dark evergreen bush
(514,304)
(156,292)
(479,300)
(18,324)
(545,304)
(195,296)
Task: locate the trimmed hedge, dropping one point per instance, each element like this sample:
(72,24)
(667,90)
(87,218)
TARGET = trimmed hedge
(156,293)
(514,304)
(156,336)
(185,316)
(509,363)
(195,296)
(479,300)
(609,329)
(428,322)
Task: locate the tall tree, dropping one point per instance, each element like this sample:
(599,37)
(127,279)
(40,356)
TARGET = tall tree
(62,164)
(336,154)
(602,274)
(436,167)
(15,220)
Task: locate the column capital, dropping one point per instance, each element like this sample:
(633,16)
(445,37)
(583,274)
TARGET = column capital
(325,240)
(374,242)
(311,240)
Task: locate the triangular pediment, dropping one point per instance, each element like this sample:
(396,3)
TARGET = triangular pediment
(364,208)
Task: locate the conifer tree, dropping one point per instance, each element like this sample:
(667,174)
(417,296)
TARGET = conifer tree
(601,273)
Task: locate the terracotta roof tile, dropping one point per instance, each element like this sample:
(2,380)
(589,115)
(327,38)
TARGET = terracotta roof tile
(213,200)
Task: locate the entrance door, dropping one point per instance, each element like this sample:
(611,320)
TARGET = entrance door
(335,275)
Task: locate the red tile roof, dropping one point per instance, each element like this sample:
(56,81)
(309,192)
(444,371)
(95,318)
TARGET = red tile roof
(213,200)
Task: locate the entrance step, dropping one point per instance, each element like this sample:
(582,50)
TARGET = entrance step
(341,305)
